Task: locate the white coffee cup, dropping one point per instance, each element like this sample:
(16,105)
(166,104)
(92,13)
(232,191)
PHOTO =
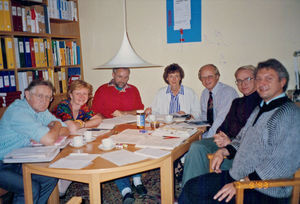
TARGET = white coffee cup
(107,142)
(152,118)
(88,135)
(168,118)
(77,141)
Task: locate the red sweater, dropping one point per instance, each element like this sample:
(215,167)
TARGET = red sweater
(107,99)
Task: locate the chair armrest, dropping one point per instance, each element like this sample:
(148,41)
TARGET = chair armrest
(266,183)
(241,185)
(210,156)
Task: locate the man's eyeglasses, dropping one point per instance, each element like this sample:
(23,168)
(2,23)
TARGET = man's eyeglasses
(247,80)
(209,77)
(41,97)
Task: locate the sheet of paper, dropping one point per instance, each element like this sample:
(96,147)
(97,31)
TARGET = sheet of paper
(122,157)
(182,14)
(74,161)
(95,131)
(160,142)
(152,153)
(131,136)
(111,122)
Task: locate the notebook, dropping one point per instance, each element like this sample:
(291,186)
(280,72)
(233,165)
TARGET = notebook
(32,154)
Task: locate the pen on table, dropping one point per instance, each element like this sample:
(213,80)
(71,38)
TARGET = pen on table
(170,137)
(95,129)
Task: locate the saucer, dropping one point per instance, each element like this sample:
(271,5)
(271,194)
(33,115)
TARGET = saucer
(91,140)
(72,145)
(168,122)
(106,148)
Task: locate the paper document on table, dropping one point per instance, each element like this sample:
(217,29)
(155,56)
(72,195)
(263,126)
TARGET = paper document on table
(32,154)
(175,130)
(95,131)
(152,153)
(74,161)
(111,122)
(131,136)
(122,157)
(168,143)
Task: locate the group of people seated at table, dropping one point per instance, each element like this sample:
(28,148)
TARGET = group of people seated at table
(254,132)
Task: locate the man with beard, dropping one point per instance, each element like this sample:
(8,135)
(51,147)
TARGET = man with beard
(115,99)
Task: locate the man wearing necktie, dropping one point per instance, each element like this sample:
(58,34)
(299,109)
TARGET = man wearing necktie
(216,98)
(267,147)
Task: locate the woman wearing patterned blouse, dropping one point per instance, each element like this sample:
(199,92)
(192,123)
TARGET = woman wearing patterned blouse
(74,111)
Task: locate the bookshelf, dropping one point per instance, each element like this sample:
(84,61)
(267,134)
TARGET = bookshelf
(39,39)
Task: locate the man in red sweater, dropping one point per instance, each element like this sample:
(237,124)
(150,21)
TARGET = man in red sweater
(114,99)
(117,98)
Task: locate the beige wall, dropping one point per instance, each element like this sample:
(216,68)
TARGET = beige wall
(234,33)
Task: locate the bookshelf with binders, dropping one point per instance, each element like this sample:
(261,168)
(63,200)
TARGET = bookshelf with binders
(39,39)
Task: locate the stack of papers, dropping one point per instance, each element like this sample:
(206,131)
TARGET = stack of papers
(32,154)
(96,132)
(131,136)
(112,122)
(74,161)
(144,138)
(175,130)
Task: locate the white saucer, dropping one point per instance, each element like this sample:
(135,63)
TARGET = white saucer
(91,140)
(168,122)
(71,144)
(106,148)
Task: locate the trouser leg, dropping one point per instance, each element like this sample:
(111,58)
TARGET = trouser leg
(203,188)
(196,162)
(11,179)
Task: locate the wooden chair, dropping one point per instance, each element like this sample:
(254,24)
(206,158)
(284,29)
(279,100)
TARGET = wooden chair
(75,200)
(242,185)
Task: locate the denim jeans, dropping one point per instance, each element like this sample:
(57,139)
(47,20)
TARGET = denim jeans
(11,179)
(124,182)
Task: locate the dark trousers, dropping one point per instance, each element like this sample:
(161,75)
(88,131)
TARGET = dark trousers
(203,188)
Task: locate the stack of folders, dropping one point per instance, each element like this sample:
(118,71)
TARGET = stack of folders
(32,154)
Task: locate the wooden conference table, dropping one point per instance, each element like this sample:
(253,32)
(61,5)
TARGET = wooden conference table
(102,170)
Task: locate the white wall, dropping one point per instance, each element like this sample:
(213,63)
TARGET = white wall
(234,33)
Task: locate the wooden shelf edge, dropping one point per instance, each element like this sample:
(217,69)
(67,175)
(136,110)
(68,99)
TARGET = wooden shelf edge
(29,34)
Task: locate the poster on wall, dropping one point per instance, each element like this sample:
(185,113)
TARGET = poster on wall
(183,21)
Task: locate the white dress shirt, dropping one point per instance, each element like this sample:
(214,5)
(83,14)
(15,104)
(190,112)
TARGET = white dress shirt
(223,96)
(189,102)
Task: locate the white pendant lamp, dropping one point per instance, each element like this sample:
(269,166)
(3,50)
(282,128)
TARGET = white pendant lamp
(126,56)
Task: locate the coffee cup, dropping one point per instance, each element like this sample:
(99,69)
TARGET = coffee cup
(152,118)
(107,142)
(88,136)
(77,141)
(168,118)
